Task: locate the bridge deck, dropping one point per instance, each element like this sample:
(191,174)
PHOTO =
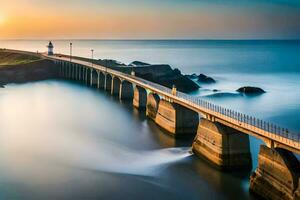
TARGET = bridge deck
(244,123)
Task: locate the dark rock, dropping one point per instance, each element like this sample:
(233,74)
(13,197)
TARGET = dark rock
(192,76)
(215,90)
(169,78)
(251,90)
(138,63)
(205,79)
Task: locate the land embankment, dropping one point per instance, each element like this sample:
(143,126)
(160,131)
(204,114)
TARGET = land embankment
(20,67)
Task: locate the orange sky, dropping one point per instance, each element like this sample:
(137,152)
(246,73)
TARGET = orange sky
(39,19)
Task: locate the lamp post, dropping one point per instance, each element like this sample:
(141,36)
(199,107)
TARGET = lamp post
(71,51)
(92,50)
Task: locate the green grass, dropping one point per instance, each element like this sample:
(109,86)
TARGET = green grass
(13,58)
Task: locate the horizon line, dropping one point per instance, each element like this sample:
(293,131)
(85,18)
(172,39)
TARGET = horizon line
(153,39)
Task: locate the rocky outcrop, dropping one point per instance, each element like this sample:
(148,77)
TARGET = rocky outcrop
(138,63)
(251,90)
(192,76)
(277,174)
(205,79)
(169,78)
(223,146)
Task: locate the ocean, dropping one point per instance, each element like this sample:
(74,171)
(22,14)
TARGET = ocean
(85,144)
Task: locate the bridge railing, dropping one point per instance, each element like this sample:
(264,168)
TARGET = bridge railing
(242,118)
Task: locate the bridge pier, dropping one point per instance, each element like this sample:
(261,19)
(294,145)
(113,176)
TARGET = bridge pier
(108,82)
(277,175)
(126,90)
(140,97)
(115,87)
(94,78)
(88,76)
(101,80)
(152,105)
(176,119)
(225,147)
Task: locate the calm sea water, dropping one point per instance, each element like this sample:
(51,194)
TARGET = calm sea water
(86,144)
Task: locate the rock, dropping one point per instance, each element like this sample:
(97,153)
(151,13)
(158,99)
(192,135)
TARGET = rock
(250,90)
(215,90)
(205,79)
(192,76)
(168,78)
(138,63)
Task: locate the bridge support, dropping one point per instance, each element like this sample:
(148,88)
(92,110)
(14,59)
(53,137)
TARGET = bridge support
(176,119)
(152,105)
(108,82)
(225,147)
(140,97)
(94,78)
(126,90)
(101,80)
(277,174)
(115,87)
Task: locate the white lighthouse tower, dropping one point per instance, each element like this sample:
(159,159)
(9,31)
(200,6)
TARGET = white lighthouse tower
(50,48)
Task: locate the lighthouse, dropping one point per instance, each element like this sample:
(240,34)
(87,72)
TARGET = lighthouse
(50,48)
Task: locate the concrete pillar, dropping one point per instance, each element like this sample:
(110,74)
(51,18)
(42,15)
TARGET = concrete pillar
(79,73)
(297,192)
(108,82)
(72,71)
(277,174)
(225,147)
(152,105)
(94,78)
(126,91)
(101,80)
(115,87)
(88,76)
(176,119)
(140,97)
(76,72)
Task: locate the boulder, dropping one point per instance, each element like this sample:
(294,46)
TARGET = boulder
(192,76)
(138,63)
(250,90)
(205,79)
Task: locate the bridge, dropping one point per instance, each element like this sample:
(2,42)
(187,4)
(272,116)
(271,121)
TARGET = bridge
(222,135)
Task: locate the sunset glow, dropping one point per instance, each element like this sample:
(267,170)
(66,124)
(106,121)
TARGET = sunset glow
(99,19)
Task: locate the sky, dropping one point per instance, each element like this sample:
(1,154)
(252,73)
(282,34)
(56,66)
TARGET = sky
(149,19)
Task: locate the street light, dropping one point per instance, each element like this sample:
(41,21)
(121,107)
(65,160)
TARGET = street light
(71,51)
(92,50)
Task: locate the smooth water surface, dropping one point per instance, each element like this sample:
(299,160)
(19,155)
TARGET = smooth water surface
(63,140)
(271,65)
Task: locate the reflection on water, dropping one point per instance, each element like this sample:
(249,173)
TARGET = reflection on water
(61,140)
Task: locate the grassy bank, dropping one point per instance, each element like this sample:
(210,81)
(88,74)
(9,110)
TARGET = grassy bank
(8,58)
(21,67)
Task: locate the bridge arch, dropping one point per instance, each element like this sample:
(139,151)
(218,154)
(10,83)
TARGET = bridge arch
(94,78)
(140,97)
(152,105)
(88,75)
(116,85)
(126,90)
(108,82)
(101,80)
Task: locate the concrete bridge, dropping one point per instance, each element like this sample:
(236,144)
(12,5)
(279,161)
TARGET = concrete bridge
(222,135)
